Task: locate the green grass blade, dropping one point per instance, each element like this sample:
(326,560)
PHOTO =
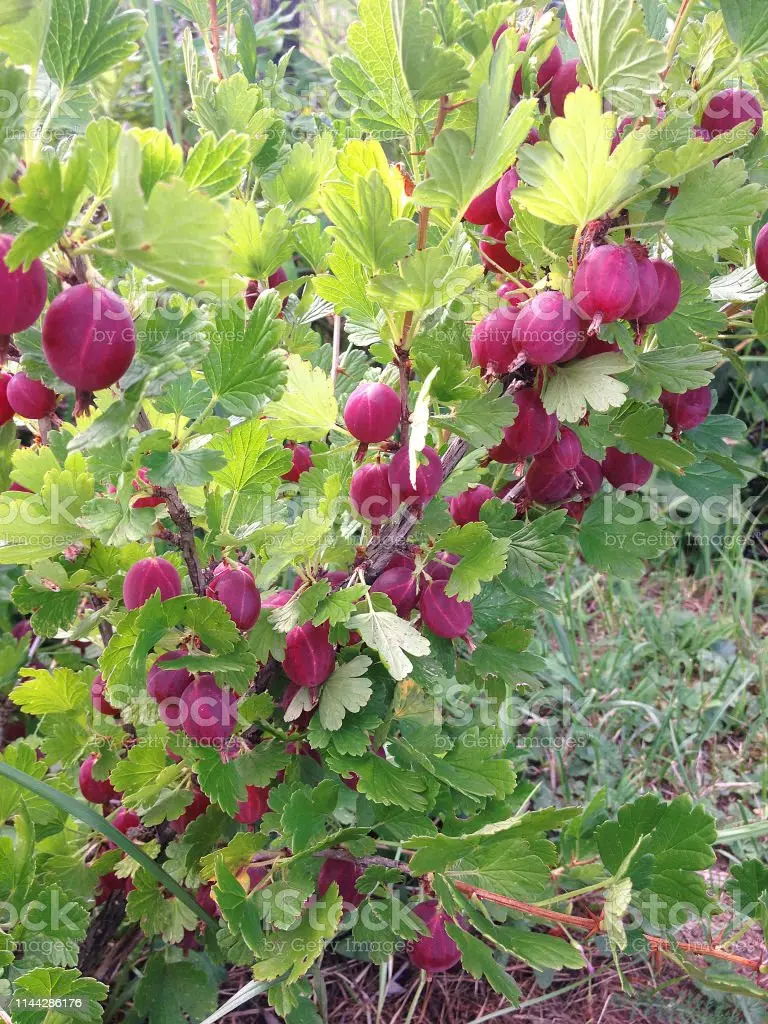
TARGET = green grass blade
(81,811)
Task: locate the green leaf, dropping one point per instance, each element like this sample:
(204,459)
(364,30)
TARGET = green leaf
(534,546)
(430,70)
(622,63)
(617,900)
(426,279)
(44,692)
(155,912)
(178,235)
(102,136)
(712,203)
(586,383)
(296,950)
(242,368)
(393,638)
(171,991)
(161,158)
(37,526)
(240,911)
(748,888)
(259,246)
(375,43)
(674,843)
(481,420)
(574,178)
(300,175)
(49,191)
(216,165)
(365,222)
(460,168)
(88,37)
(80,995)
(307,409)
(183,467)
(23,28)
(613,537)
(747,25)
(220,780)
(482,556)
(674,369)
(382,781)
(252,466)
(478,960)
(639,433)
(542,952)
(347,689)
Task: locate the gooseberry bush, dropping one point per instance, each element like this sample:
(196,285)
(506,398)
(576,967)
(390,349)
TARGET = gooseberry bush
(300,414)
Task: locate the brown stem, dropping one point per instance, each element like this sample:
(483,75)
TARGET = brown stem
(215,36)
(588,924)
(526,908)
(394,533)
(179,513)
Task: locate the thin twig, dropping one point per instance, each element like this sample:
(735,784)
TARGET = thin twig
(179,513)
(215,37)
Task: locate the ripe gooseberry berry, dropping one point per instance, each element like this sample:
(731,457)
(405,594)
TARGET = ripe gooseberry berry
(761,252)
(605,284)
(429,475)
(301,461)
(441,566)
(99,701)
(125,819)
(147,576)
(372,412)
(437,951)
(667,296)
(234,587)
(253,289)
(589,474)
(309,655)
(688,410)
(400,587)
(445,616)
(729,108)
(344,873)
(6,409)
(88,337)
(564,454)
(547,70)
(513,292)
(563,84)
(22,292)
(210,711)
(30,398)
(545,487)
(626,471)
(549,329)
(482,209)
(492,346)
(533,430)
(647,283)
(255,805)
(493,250)
(370,493)
(508,182)
(164,682)
(465,507)
(95,791)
